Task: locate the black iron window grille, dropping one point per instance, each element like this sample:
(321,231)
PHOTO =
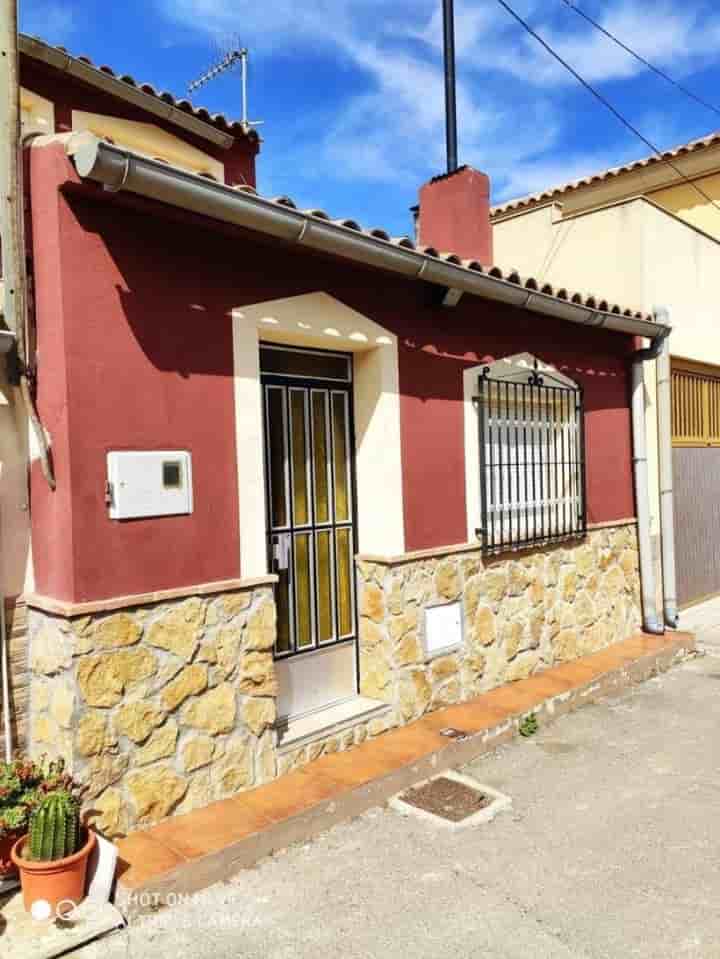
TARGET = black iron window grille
(532,458)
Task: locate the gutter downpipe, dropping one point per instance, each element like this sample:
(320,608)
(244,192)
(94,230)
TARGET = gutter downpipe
(652,623)
(667,513)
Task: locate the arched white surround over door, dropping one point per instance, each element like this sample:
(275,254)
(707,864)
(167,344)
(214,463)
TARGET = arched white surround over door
(321,321)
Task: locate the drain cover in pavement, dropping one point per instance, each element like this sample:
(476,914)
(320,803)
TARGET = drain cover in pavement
(451,799)
(447,798)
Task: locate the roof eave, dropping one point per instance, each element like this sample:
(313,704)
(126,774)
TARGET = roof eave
(118,169)
(66,63)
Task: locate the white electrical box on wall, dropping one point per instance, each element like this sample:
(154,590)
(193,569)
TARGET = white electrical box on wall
(149,483)
(443,628)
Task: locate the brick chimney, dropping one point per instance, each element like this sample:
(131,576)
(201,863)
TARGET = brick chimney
(454,215)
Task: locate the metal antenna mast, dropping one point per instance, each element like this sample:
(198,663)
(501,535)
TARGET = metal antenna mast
(229,60)
(450,104)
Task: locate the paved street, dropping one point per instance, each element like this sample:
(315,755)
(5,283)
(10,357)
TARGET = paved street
(610,851)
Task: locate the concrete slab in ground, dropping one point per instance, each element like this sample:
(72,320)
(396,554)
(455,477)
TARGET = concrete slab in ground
(23,937)
(704,621)
(609,852)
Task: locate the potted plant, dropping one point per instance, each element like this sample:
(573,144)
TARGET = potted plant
(52,858)
(20,791)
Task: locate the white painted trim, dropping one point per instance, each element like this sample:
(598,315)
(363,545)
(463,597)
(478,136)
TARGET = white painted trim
(149,140)
(472,451)
(319,320)
(377,451)
(249,447)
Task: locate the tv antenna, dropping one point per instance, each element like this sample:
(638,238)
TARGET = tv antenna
(230,56)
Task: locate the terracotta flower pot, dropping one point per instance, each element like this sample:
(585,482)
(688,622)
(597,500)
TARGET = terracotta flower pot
(54,881)
(7,869)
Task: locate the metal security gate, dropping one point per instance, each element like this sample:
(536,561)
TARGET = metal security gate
(696,479)
(311,523)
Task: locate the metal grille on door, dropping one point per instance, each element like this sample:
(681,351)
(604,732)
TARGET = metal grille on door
(311,502)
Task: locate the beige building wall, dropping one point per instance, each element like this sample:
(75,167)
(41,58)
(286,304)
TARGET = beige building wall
(687,202)
(15,558)
(634,253)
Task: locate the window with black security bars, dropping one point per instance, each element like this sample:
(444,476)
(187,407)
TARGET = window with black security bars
(532,459)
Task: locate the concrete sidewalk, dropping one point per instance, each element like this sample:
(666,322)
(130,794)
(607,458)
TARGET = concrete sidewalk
(704,621)
(610,851)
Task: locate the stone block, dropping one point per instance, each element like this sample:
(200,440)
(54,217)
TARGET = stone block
(116,632)
(257,674)
(138,720)
(93,736)
(258,714)
(191,681)
(155,792)
(103,679)
(484,630)
(443,667)
(197,752)
(50,651)
(260,629)
(62,703)
(447,580)
(214,712)
(160,745)
(236,603)
(179,630)
(108,814)
(372,603)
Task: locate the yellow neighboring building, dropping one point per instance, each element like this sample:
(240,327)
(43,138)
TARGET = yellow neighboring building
(648,238)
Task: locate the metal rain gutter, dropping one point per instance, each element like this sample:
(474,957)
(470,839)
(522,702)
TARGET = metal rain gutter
(117,169)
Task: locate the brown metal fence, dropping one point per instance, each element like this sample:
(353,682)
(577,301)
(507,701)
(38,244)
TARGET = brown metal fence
(696,469)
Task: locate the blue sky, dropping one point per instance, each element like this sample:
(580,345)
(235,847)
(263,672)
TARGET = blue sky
(351,91)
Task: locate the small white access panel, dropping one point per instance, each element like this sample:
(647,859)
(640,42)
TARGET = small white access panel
(443,628)
(149,483)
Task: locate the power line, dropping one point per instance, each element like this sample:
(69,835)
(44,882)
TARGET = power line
(608,105)
(641,59)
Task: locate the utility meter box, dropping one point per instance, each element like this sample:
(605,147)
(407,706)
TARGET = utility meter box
(149,483)
(443,629)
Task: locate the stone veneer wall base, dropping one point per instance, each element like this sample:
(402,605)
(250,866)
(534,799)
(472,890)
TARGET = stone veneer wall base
(170,703)
(520,613)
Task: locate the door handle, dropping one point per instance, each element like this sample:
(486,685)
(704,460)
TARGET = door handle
(280,551)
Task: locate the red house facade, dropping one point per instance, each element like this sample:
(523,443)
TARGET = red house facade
(311,481)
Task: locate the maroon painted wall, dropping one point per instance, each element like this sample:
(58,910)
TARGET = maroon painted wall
(454,215)
(68,93)
(136,351)
(432,360)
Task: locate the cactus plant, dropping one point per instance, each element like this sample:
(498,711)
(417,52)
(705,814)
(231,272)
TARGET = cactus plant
(55,827)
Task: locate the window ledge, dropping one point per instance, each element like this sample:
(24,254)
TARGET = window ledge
(294,733)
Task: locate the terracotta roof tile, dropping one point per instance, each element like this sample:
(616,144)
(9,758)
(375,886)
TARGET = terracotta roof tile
(219,120)
(531,284)
(545,196)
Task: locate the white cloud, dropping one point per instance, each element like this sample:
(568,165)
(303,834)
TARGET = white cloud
(681,37)
(511,95)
